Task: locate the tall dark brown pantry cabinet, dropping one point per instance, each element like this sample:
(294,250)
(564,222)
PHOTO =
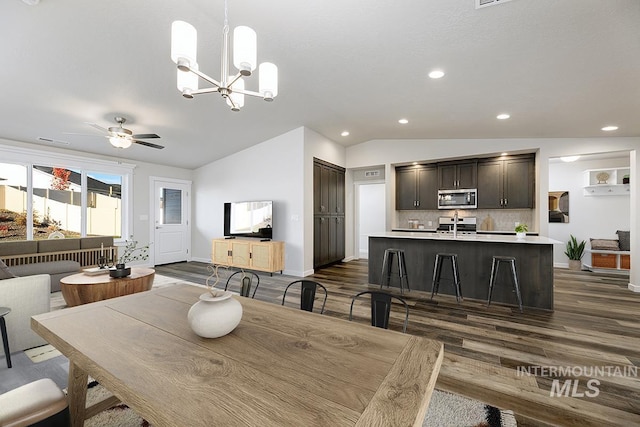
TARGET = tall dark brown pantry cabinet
(328,213)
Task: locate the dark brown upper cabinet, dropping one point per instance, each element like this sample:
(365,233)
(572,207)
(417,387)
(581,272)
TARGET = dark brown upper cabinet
(455,175)
(506,183)
(417,187)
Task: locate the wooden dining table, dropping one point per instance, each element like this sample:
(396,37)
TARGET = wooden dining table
(280,367)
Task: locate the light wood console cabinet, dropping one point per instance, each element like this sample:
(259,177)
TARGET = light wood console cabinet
(249,254)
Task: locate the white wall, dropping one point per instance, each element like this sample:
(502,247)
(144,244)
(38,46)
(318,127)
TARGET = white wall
(589,216)
(271,170)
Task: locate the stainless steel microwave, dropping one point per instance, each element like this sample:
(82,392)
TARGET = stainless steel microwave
(458,199)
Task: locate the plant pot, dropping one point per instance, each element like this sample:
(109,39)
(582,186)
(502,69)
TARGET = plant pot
(120,271)
(575,264)
(215,315)
(521,235)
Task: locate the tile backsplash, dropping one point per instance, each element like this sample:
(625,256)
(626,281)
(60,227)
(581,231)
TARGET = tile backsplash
(487,219)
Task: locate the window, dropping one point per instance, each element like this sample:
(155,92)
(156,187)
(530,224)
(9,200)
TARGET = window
(104,204)
(13,202)
(57,204)
(42,193)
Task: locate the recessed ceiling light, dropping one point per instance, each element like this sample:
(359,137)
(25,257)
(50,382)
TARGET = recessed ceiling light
(414,163)
(403,121)
(503,116)
(345,133)
(569,159)
(504,154)
(609,128)
(436,74)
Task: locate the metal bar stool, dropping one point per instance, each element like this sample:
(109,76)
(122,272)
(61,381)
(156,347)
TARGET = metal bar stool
(437,275)
(494,274)
(387,264)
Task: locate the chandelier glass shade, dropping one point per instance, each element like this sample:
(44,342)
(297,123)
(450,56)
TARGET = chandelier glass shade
(184,41)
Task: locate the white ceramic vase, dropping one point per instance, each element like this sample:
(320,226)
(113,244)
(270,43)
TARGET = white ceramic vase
(521,236)
(215,315)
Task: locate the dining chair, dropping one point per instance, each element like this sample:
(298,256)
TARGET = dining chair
(381,308)
(246,280)
(308,290)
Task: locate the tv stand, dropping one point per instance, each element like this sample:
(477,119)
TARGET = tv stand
(265,256)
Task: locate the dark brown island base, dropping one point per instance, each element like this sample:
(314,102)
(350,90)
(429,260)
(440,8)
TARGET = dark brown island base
(534,264)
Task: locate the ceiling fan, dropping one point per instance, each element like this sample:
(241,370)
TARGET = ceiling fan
(121,137)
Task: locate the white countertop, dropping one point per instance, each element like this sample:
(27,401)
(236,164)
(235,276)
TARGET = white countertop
(495,238)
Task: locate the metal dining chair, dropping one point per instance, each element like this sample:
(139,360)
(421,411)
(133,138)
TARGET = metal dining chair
(246,280)
(381,308)
(308,290)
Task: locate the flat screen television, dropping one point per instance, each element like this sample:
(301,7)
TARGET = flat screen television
(249,219)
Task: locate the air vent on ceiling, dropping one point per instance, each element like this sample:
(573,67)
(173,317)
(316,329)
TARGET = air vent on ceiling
(370,174)
(485,3)
(52,141)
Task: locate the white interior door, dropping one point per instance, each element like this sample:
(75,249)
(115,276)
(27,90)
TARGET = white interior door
(371,215)
(172,230)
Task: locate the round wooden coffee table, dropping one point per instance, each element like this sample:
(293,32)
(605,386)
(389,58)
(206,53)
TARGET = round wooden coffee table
(82,288)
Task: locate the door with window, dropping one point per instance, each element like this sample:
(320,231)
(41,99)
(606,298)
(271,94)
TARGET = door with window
(172,230)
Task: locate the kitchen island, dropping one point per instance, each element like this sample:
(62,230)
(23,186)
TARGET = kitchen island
(534,264)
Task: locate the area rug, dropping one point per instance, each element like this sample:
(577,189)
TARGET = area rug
(452,410)
(42,353)
(445,410)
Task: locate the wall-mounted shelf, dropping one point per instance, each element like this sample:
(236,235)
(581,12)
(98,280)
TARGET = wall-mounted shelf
(606,182)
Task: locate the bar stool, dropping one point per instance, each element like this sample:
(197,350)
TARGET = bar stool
(494,274)
(437,271)
(3,330)
(387,264)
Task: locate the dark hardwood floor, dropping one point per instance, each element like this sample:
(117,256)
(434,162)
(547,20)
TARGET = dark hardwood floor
(594,325)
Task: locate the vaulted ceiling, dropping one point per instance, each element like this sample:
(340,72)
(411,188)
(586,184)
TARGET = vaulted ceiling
(560,68)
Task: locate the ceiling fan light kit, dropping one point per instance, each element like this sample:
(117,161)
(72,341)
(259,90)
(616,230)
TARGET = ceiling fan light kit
(121,137)
(184,42)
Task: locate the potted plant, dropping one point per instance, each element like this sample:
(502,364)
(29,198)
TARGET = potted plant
(521,231)
(131,253)
(575,251)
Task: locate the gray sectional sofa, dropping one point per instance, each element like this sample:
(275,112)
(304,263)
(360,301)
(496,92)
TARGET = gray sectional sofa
(56,257)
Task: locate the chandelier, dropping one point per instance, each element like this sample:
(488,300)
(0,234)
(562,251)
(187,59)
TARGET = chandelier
(184,41)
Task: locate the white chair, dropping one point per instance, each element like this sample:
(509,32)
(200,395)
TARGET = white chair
(25,296)
(32,403)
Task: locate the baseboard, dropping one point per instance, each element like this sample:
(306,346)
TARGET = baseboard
(205,260)
(634,288)
(349,258)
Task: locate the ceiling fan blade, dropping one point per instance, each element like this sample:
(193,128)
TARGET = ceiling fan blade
(97,126)
(148,144)
(145,136)
(81,134)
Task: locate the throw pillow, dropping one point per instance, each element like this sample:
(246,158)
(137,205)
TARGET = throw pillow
(625,240)
(4,271)
(605,244)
